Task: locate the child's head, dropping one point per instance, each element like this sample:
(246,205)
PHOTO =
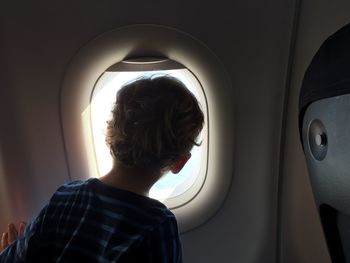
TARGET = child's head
(155,121)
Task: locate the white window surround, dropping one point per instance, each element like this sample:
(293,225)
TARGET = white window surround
(134,41)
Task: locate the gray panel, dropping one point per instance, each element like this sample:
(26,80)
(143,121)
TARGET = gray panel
(330,174)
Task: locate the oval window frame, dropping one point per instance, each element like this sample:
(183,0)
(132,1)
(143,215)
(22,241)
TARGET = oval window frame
(133,41)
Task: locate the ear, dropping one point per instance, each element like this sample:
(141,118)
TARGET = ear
(180,163)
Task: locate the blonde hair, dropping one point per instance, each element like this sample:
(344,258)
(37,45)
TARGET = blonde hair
(155,120)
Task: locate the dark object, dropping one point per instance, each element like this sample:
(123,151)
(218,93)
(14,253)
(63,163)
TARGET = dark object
(328,75)
(324,124)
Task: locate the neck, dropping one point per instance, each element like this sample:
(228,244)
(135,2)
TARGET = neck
(134,179)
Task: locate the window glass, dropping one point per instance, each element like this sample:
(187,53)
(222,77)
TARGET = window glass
(103,98)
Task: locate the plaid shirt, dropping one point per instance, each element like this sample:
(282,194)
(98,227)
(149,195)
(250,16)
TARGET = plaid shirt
(87,221)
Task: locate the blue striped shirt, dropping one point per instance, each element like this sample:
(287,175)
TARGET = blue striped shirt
(88,221)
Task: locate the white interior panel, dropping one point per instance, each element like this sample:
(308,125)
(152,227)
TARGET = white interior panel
(251,39)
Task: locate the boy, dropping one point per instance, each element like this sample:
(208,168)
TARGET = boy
(154,126)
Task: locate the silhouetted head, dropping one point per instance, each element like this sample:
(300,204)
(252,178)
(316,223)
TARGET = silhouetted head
(324,123)
(155,121)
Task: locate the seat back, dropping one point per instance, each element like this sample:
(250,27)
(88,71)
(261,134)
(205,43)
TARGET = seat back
(324,122)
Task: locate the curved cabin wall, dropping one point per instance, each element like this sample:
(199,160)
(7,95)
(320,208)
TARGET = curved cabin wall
(250,38)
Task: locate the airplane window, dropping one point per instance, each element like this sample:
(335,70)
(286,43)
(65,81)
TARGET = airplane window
(89,90)
(171,186)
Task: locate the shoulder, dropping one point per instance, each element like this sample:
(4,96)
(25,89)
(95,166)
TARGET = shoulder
(72,189)
(166,227)
(163,243)
(75,185)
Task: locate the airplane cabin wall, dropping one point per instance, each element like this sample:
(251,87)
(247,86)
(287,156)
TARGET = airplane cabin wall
(251,38)
(301,237)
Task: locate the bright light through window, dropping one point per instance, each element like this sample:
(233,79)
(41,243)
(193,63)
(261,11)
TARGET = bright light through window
(170,185)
